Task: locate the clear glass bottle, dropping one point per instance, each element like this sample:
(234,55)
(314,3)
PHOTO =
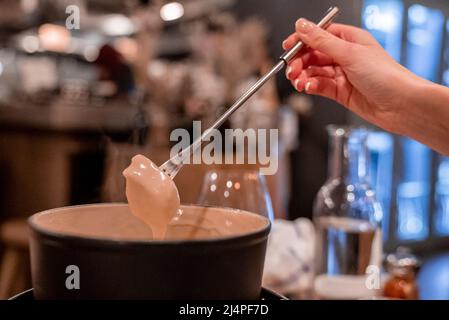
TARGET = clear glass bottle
(347,219)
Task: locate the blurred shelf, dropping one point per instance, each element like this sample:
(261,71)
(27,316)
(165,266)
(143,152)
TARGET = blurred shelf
(69,118)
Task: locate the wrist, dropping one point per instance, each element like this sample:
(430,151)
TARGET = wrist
(415,96)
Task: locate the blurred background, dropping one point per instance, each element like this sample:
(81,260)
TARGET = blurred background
(86,84)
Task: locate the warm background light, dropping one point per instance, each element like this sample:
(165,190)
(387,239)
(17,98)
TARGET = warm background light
(172,11)
(53,37)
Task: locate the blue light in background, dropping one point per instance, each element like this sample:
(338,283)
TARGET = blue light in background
(413,193)
(424,44)
(442,198)
(383,19)
(446,58)
(441,220)
(332,266)
(412,204)
(424,41)
(381,153)
(417,163)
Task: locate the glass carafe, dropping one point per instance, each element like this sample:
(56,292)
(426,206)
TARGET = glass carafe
(347,219)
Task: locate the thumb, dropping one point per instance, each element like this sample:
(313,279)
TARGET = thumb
(321,40)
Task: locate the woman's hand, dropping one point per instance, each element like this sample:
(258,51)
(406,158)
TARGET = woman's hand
(347,64)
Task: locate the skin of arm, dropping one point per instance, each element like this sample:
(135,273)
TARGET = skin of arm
(347,64)
(425,115)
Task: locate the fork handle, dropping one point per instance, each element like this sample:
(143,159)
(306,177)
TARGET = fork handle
(173,165)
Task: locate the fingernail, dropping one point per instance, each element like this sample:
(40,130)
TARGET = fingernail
(308,85)
(295,84)
(303,25)
(284,43)
(288,71)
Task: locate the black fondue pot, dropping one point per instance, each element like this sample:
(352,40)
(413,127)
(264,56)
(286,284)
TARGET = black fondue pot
(73,266)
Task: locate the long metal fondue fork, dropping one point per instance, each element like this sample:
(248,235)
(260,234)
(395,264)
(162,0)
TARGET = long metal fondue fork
(173,165)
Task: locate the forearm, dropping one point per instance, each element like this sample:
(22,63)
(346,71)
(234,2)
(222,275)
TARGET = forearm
(425,115)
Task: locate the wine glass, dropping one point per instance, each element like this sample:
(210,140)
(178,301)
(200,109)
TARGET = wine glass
(243,189)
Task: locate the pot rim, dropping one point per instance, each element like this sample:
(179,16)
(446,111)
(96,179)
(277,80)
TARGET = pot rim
(105,242)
